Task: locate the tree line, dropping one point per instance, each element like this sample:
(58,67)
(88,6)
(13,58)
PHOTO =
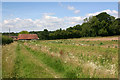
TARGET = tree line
(102,24)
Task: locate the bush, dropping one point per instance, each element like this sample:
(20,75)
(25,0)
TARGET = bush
(101,43)
(6,40)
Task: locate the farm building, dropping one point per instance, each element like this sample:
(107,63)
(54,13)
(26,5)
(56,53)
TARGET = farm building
(27,37)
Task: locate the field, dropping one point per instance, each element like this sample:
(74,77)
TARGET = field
(65,58)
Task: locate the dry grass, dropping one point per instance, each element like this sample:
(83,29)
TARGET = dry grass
(8,59)
(99,38)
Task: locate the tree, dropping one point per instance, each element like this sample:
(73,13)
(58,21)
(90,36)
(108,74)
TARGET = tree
(106,17)
(94,26)
(24,32)
(85,20)
(77,27)
(44,35)
(114,28)
(103,32)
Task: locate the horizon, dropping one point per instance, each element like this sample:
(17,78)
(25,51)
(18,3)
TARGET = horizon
(37,16)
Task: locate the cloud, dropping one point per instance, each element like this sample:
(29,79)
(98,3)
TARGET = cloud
(18,24)
(111,12)
(46,22)
(70,8)
(48,13)
(77,11)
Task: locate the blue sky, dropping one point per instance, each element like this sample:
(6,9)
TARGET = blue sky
(35,10)
(51,15)
(60,0)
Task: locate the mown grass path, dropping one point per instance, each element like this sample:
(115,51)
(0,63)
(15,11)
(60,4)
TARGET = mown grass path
(24,64)
(29,66)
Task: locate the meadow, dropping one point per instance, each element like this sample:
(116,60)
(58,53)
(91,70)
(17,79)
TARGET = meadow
(63,58)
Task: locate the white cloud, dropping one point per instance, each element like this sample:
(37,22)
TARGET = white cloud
(71,8)
(5,21)
(111,12)
(48,13)
(77,11)
(46,22)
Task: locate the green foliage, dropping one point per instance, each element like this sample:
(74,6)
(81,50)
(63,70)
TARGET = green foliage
(100,25)
(24,32)
(11,34)
(114,28)
(44,35)
(101,43)
(104,16)
(71,74)
(103,32)
(6,40)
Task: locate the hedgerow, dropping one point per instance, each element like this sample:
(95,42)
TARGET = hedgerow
(6,40)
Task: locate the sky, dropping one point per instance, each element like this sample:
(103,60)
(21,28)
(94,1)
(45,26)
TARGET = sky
(37,16)
(60,0)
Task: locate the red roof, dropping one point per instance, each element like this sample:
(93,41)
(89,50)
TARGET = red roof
(27,36)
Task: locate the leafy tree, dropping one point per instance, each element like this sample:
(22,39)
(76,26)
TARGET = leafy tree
(44,34)
(103,32)
(114,28)
(69,29)
(106,17)
(24,32)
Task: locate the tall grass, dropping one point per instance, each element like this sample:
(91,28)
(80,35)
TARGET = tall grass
(66,70)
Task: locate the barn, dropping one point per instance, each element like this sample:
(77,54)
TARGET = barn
(27,37)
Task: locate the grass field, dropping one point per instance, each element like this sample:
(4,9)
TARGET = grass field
(65,58)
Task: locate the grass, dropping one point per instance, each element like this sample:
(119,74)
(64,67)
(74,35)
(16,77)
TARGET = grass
(8,59)
(67,58)
(0,61)
(52,62)
(25,67)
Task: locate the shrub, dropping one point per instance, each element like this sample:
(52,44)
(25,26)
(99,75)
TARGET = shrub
(101,43)
(6,40)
